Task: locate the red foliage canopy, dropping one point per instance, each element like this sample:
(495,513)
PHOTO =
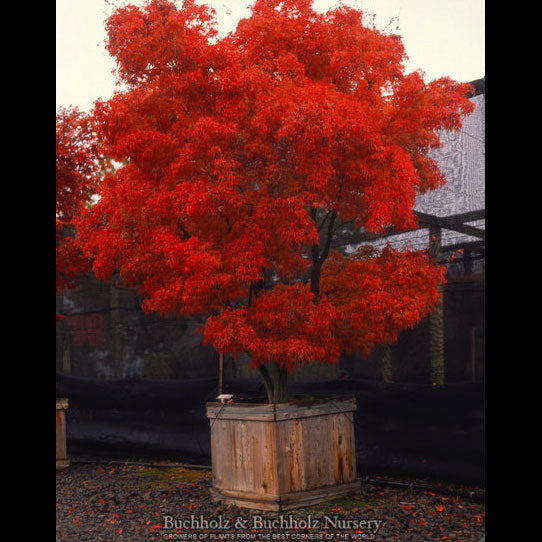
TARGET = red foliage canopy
(76,181)
(245,154)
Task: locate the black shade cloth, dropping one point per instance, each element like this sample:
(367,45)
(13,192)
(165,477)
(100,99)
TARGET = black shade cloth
(410,429)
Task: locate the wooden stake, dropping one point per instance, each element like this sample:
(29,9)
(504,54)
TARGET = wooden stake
(220,371)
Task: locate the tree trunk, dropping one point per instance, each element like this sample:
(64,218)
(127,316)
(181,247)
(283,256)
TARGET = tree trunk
(318,258)
(275,379)
(315,282)
(386,367)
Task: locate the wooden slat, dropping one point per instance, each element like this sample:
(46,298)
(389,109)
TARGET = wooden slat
(243,455)
(282,411)
(288,501)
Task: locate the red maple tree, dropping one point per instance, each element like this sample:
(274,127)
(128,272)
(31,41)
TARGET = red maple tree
(246,154)
(77,169)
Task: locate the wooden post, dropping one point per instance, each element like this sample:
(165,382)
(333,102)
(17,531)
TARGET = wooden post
(62,460)
(436,319)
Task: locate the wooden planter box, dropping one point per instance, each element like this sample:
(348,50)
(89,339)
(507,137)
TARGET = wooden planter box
(283,456)
(62,460)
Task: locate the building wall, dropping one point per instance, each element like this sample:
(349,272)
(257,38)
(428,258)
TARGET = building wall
(107,335)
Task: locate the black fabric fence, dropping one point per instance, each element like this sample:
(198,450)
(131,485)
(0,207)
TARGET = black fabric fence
(407,429)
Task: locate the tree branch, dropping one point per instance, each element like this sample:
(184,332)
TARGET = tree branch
(182,228)
(323,221)
(327,245)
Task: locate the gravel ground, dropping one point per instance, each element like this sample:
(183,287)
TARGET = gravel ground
(123,502)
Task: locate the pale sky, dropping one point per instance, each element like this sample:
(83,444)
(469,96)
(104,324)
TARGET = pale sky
(442,37)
